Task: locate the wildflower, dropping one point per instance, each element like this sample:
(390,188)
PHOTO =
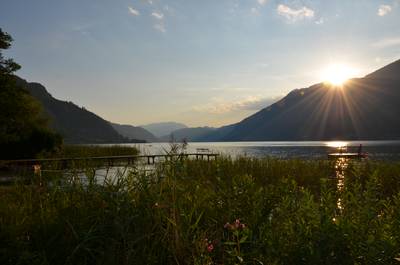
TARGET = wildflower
(210,247)
(36,169)
(228,226)
(235,226)
(237,223)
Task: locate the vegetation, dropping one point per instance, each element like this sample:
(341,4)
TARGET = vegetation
(76,124)
(76,151)
(242,211)
(23,129)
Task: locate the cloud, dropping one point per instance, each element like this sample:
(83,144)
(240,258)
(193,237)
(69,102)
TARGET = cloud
(83,29)
(157,15)
(150,2)
(294,15)
(384,10)
(388,42)
(254,11)
(249,103)
(320,21)
(262,2)
(133,11)
(160,27)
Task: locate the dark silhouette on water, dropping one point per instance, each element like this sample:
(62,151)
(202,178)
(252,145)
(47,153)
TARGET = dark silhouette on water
(360,149)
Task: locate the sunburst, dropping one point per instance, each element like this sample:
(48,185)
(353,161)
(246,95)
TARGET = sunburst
(338,74)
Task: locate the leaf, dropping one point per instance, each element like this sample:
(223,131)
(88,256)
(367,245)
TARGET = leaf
(197,221)
(171,221)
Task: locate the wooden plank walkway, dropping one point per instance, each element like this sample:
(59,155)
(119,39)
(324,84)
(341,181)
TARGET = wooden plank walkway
(63,163)
(348,155)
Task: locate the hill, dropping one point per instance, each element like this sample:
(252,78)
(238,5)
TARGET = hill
(163,128)
(133,132)
(189,134)
(390,71)
(364,108)
(74,123)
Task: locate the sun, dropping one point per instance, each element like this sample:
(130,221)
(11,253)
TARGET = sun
(338,74)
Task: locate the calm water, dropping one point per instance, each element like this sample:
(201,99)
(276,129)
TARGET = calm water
(381,150)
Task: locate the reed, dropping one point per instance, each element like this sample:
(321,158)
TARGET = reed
(228,211)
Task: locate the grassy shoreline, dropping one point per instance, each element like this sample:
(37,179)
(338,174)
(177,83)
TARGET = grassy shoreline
(71,151)
(241,211)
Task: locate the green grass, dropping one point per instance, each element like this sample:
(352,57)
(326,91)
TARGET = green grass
(242,211)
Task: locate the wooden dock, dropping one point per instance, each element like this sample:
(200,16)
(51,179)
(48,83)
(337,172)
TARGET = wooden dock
(348,155)
(107,161)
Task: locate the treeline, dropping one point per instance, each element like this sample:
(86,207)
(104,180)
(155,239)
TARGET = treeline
(24,131)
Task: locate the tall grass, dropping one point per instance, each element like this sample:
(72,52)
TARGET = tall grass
(242,211)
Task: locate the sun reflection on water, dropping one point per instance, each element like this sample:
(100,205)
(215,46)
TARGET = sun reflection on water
(337,144)
(340,168)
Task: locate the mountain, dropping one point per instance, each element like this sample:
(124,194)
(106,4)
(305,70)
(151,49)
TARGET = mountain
(391,72)
(364,108)
(189,134)
(163,128)
(217,134)
(75,124)
(133,132)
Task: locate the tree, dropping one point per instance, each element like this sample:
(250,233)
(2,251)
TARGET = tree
(23,128)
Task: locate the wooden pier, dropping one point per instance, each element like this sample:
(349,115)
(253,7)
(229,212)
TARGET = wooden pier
(344,154)
(105,161)
(348,155)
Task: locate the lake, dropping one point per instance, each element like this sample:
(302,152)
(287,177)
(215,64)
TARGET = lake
(380,150)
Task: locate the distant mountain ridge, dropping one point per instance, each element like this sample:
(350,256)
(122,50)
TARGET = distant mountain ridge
(363,109)
(132,132)
(76,124)
(189,134)
(163,128)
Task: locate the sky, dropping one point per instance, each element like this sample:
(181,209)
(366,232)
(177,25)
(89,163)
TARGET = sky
(202,63)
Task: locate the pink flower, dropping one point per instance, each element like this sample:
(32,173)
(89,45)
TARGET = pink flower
(237,223)
(210,247)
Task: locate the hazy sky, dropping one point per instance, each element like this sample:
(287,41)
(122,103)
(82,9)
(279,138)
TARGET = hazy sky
(200,62)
